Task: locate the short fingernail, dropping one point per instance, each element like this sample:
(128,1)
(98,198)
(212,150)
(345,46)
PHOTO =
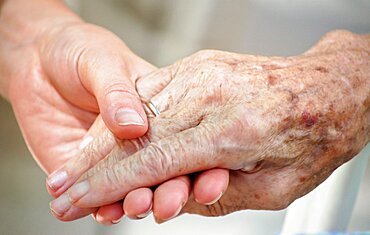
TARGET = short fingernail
(57,180)
(215,200)
(175,214)
(101,220)
(60,205)
(85,141)
(79,190)
(125,117)
(116,221)
(145,214)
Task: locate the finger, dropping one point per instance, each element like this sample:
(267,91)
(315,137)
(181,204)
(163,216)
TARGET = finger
(110,75)
(153,83)
(110,214)
(138,203)
(97,148)
(210,185)
(95,130)
(72,213)
(182,153)
(170,197)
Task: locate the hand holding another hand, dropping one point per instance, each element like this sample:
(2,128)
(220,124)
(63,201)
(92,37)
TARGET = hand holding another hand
(223,110)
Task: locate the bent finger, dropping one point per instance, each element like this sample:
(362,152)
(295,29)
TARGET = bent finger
(180,154)
(138,203)
(170,197)
(210,185)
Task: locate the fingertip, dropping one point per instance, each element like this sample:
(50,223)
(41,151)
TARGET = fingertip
(138,203)
(110,214)
(210,185)
(124,116)
(170,197)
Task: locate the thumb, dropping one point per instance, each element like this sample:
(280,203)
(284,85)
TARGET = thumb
(180,154)
(111,77)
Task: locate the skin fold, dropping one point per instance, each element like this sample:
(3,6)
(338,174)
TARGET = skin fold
(296,119)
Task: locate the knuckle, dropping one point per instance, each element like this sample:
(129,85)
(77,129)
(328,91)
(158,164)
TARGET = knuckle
(113,178)
(339,33)
(156,162)
(206,54)
(91,154)
(86,157)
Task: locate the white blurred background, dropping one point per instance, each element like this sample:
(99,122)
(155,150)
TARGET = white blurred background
(162,31)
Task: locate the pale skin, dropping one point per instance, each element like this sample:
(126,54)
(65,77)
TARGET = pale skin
(290,122)
(59,73)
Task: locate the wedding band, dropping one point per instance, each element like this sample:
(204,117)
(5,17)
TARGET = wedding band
(150,108)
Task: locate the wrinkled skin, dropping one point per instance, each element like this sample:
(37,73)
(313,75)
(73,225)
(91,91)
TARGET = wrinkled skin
(139,201)
(299,118)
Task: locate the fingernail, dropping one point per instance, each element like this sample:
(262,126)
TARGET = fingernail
(215,200)
(145,214)
(85,142)
(78,191)
(176,212)
(60,205)
(100,220)
(125,117)
(116,221)
(57,180)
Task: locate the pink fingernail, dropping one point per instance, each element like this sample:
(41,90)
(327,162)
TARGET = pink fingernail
(101,220)
(145,214)
(57,180)
(125,117)
(176,212)
(60,205)
(79,190)
(116,221)
(215,200)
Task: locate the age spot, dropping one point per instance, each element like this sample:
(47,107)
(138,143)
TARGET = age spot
(272,80)
(308,119)
(321,69)
(302,179)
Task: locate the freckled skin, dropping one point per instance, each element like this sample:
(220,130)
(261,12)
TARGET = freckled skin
(301,117)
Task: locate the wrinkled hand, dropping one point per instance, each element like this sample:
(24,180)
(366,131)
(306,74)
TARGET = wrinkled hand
(297,119)
(139,203)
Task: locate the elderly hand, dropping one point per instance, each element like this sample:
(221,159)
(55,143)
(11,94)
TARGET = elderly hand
(295,119)
(139,202)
